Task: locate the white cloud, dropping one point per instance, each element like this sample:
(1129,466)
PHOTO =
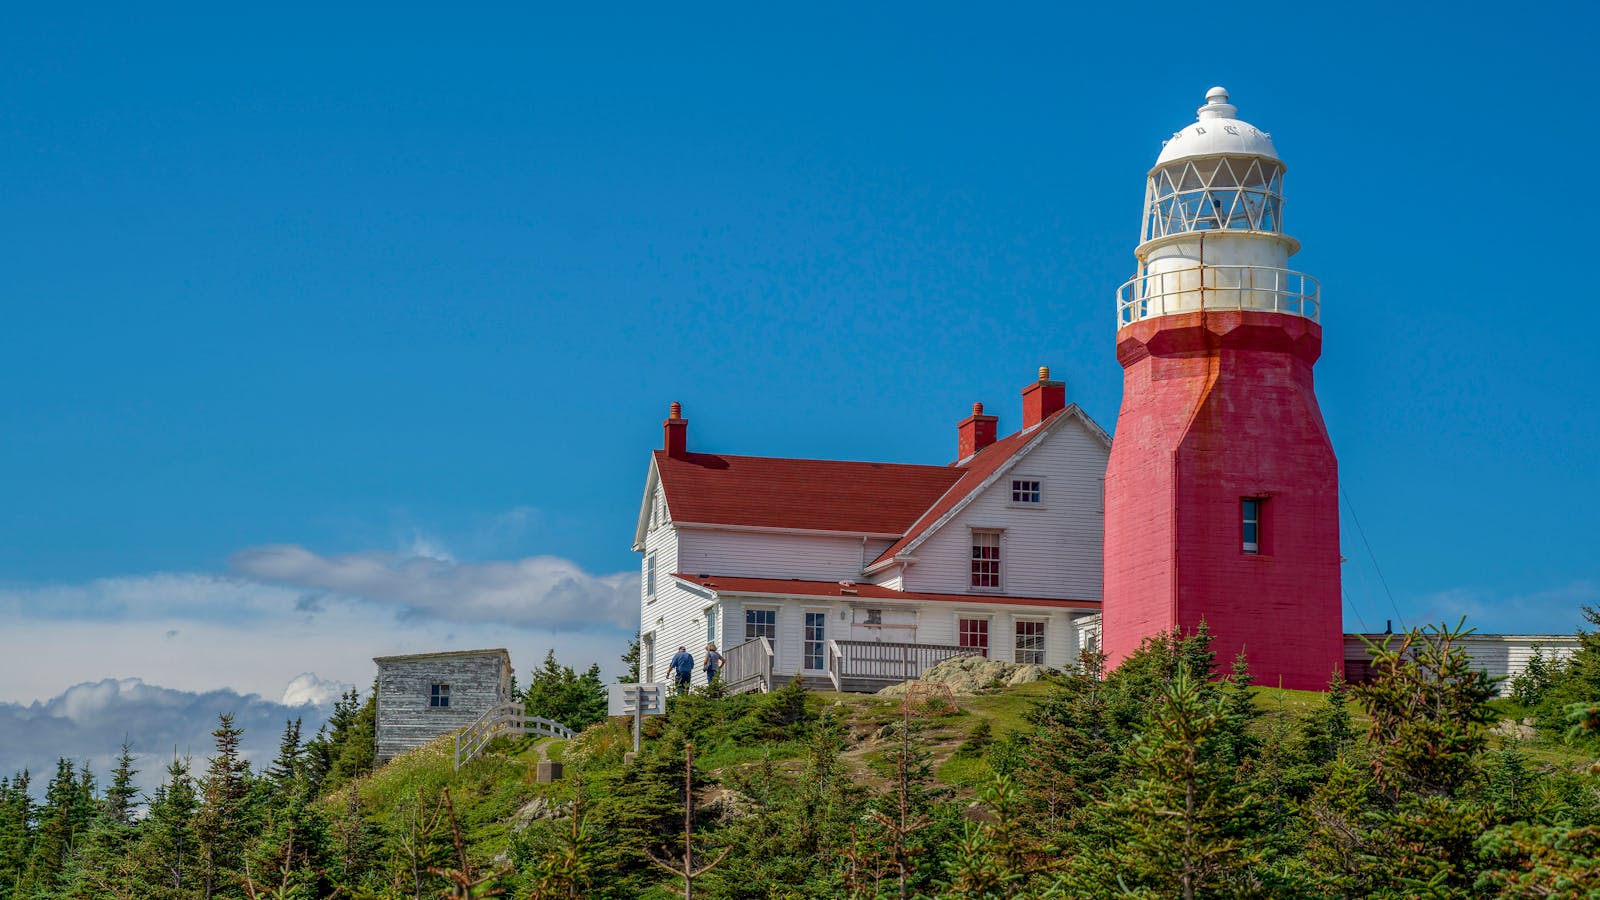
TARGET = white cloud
(1554,610)
(88,722)
(538,591)
(307,688)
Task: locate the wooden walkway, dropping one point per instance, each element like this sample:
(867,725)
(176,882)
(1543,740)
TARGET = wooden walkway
(503,720)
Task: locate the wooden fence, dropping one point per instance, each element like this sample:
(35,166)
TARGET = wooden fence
(503,720)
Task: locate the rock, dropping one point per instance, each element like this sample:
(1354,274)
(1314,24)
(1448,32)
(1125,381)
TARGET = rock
(1513,729)
(972,675)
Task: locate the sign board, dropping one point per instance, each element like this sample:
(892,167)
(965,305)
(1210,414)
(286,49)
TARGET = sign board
(625,699)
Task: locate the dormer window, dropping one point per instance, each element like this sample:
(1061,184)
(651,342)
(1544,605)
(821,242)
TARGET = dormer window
(1027,490)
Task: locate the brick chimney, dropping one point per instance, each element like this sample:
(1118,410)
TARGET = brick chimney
(1042,399)
(975,432)
(676,428)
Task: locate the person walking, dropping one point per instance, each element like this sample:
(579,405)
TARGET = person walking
(682,668)
(713,663)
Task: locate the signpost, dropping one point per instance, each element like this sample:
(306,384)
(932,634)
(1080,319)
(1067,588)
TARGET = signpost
(637,700)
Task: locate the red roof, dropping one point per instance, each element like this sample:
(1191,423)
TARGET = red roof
(791,587)
(809,494)
(983,464)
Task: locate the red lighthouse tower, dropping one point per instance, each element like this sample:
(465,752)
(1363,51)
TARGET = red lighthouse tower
(1222,490)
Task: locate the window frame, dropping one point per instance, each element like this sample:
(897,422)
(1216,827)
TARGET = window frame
(773,638)
(439,695)
(987,632)
(821,641)
(1043,637)
(1038,483)
(990,568)
(650,585)
(711,626)
(1252,523)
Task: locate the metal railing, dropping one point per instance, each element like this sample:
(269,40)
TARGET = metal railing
(748,667)
(1262,288)
(498,721)
(886,661)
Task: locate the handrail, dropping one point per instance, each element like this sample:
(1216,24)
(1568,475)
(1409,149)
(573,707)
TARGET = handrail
(503,719)
(889,660)
(1195,288)
(748,666)
(835,659)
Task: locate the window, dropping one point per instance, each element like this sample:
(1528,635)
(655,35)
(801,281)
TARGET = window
(973,634)
(761,623)
(986,559)
(1030,643)
(816,634)
(650,576)
(1026,492)
(647,655)
(1250,508)
(439,695)
(711,624)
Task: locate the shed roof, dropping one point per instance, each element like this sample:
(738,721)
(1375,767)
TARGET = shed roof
(505,654)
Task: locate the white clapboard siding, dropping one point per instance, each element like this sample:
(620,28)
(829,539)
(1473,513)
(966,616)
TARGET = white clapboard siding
(757,554)
(1053,551)
(1502,656)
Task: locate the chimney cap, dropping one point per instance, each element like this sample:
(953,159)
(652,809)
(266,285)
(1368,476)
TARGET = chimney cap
(675,411)
(1044,373)
(977,409)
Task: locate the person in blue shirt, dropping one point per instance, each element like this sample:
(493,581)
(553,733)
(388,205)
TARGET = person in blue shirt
(682,667)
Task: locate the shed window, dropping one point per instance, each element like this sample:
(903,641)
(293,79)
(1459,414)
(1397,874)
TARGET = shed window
(439,695)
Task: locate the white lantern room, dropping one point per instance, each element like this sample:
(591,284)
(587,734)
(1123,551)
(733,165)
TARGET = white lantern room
(1213,236)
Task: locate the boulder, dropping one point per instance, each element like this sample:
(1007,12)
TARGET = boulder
(972,675)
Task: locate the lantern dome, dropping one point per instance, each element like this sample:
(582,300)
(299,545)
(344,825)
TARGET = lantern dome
(1217,131)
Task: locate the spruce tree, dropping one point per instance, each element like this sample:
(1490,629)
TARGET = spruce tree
(62,819)
(16,832)
(224,819)
(104,866)
(167,864)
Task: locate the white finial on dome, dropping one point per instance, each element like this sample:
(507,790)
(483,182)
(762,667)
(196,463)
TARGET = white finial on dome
(1217,105)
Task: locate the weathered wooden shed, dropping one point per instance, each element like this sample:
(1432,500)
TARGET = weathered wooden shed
(422,696)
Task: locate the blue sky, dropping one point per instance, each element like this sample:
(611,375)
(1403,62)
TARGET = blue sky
(330,317)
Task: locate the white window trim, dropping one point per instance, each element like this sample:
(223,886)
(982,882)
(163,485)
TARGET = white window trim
(1000,544)
(1045,650)
(1010,488)
(777,620)
(827,613)
(989,633)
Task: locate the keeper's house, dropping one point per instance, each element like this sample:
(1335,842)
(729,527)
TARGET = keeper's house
(857,575)
(423,696)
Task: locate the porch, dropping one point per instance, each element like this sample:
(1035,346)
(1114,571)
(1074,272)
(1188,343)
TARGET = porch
(855,666)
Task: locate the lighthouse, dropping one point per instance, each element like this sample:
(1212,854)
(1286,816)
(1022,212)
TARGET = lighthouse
(1221,494)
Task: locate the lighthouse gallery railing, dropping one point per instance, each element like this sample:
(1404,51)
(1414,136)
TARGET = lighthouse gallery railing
(1194,288)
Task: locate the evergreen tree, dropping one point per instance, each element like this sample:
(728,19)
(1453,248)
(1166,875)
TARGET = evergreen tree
(224,820)
(630,662)
(1187,821)
(104,864)
(557,692)
(167,865)
(288,767)
(1236,740)
(62,820)
(1069,761)
(1000,857)
(16,832)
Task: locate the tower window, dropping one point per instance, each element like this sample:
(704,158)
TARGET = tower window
(986,559)
(1250,515)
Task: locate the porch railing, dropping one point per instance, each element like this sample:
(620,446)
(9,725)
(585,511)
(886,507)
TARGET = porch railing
(748,667)
(851,662)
